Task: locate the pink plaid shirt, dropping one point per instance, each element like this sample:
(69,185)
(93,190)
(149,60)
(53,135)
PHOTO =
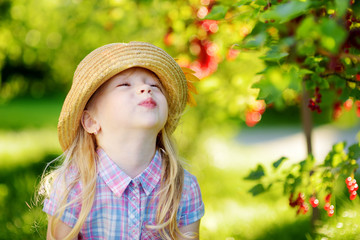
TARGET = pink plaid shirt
(123,206)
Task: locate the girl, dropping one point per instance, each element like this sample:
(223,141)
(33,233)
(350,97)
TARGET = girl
(120,177)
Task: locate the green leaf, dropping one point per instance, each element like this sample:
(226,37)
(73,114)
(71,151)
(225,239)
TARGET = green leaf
(256,174)
(355,93)
(279,162)
(341,6)
(308,29)
(332,36)
(257,189)
(255,42)
(337,81)
(243,2)
(274,56)
(354,151)
(285,12)
(217,13)
(304,71)
(339,147)
(307,164)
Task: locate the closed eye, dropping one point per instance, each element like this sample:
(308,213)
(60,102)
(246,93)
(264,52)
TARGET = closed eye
(155,85)
(123,85)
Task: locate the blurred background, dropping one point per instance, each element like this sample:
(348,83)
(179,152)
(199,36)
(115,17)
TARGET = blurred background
(221,139)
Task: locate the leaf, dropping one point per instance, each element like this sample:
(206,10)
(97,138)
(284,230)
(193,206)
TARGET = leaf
(243,2)
(256,174)
(354,151)
(274,56)
(257,189)
(337,81)
(355,93)
(308,29)
(339,147)
(255,42)
(341,6)
(304,71)
(332,36)
(217,13)
(285,12)
(279,162)
(307,164)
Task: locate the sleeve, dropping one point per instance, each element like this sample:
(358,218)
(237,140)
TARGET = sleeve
(191,205)
(51,204)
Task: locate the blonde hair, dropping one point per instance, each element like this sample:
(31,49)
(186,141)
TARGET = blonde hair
(82,157)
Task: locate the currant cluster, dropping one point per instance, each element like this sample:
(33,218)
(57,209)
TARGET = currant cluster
(337,110)
(350,17)
(299,202)
(328,206)
(357,103)
(314,102)
(352,187)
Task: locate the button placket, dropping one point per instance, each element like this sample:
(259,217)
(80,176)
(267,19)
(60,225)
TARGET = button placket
(134,211)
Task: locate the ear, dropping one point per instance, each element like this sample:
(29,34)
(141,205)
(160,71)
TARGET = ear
(89,123)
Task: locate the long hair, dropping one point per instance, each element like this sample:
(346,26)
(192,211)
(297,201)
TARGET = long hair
(82,158)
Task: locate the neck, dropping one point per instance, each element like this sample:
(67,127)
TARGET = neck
(132,152)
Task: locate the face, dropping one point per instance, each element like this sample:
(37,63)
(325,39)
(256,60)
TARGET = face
(132,99)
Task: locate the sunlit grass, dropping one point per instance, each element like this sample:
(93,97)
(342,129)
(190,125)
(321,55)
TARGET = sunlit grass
(22,147)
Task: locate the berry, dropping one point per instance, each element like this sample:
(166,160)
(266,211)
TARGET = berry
(331,213)
(314,201)
(327,198)
(353,195)
(327,206)
(314,102)
(348,179)
(358,77)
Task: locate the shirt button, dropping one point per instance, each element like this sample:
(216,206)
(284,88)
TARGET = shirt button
(134,199)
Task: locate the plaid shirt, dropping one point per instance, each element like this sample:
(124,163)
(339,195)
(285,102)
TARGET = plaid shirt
(123,206)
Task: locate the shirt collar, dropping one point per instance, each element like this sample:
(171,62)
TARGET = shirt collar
(117,180)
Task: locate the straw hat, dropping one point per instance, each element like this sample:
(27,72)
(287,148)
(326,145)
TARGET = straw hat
(107,61)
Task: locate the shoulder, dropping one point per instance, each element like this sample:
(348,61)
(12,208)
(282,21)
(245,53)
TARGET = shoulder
(191,188)
(66,184)
(190,181)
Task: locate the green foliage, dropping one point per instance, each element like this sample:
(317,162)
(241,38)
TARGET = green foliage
(285,12)
(308,177)
(217,13)
(257,173)
(277,163)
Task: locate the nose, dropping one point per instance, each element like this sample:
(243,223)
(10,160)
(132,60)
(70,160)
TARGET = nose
(144,89)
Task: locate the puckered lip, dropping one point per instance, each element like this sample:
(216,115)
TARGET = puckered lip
(149,103)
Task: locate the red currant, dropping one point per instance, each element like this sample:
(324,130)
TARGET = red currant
(347,180)
(327,206)
(331,213)
(358,77)
(314,201)
(353,195)
(327,198)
